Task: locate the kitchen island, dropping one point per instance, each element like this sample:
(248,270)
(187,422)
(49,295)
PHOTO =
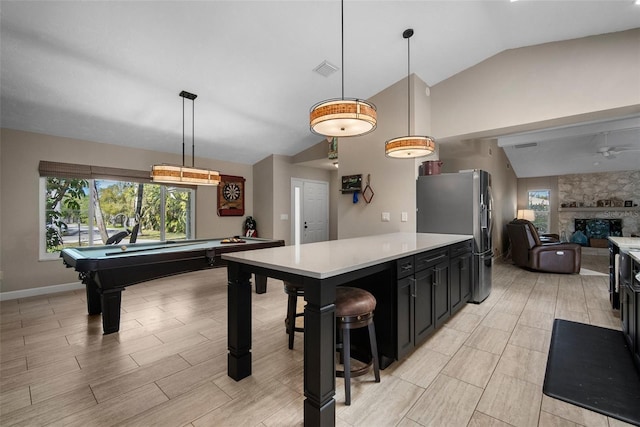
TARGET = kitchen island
(619,264)
(629,287)
(385,260)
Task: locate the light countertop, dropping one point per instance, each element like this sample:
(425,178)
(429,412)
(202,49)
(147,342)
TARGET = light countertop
(331,258)
(626,242)
(635,254)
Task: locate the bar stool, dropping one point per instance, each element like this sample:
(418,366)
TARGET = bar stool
(294,291)
(354,309)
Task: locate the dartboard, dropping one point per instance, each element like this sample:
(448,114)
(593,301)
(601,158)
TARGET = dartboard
(231,191)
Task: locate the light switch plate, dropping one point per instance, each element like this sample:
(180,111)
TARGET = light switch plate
(404,217)
(386,217)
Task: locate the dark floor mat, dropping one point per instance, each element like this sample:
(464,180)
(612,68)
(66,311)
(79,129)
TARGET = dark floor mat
(592,367)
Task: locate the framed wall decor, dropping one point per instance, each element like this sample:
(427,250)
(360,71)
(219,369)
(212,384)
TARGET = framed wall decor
(231,196)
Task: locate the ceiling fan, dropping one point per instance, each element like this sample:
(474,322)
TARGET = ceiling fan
(610,152)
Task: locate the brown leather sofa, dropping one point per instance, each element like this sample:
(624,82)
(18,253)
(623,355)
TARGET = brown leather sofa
(528,251)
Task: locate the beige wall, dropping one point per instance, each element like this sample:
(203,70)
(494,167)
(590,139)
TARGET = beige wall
(392,180)
(263,196)
(19,199)
(486,155)
(541,86)
(272,195)
(516,90)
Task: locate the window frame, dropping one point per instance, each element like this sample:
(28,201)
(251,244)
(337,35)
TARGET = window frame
(43,255)
(538,213)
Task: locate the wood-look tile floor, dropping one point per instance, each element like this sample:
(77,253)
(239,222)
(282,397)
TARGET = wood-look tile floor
(167,365)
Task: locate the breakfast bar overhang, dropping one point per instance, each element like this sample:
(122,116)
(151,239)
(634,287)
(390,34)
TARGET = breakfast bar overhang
(320,267)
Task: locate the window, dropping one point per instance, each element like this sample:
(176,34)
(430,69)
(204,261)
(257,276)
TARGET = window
(83,212)
(538,201)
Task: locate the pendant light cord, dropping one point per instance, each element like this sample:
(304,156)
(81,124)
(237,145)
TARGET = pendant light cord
(408,86)
(183,131)
(193,133)
(342,33)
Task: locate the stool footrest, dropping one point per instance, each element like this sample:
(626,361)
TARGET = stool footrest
(355,372)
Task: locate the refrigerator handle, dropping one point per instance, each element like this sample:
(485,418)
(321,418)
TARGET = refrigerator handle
(490,209)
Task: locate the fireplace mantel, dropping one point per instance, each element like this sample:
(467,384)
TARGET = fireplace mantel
(607,209)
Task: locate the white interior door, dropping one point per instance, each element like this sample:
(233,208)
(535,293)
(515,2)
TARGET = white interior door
(309,210)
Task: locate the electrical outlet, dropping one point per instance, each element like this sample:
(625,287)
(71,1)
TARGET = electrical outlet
(284,217)
(404,217)
(386,217)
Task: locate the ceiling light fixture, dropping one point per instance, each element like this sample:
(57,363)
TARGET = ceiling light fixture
(344,116)
(170,174)
(409,146)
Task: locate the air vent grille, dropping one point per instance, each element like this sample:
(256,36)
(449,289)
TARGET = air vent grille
(326,68)
(527,145)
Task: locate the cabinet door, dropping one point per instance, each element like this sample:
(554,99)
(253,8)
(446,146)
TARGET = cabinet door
(405,316)
(466,277)
(626,312)
(460,281)
(423,300)
(614,297)
(635,327)
(441,293)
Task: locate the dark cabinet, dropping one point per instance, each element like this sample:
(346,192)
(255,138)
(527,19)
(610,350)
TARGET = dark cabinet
(634,311)
(441,293)
(636,325)
(614,294)
(628,313)
(629,287)
(405,311)
(423,297)
(460,276)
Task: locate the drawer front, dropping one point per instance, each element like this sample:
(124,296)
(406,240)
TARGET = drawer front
(431,258)
(405,266)
(460,249)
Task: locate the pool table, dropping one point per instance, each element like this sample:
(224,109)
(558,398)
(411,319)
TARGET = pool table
(107,270)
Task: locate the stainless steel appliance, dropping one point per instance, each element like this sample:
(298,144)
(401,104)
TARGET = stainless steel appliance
(460,203)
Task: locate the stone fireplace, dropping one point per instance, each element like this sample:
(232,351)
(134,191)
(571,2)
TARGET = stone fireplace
(594,231)
(578,203)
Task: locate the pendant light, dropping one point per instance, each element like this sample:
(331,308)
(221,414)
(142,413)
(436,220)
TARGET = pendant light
(170,174)
(343,116)
(409,146)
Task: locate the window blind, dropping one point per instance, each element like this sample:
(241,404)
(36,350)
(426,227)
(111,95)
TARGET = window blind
(72,170)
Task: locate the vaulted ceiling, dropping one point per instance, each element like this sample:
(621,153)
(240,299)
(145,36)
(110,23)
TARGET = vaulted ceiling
(111,71)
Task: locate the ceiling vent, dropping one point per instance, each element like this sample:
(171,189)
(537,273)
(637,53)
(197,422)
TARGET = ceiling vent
(527,145)
(326,68)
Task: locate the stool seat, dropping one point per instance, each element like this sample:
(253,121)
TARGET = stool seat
(354,309)
(353,302)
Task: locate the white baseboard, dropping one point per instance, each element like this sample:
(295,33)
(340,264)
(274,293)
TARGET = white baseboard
(6,296)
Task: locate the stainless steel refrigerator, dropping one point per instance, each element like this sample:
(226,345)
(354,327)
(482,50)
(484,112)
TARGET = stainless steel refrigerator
(460,203)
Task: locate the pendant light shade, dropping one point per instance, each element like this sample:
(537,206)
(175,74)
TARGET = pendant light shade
(170,174)
(409,146)
(343,116)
